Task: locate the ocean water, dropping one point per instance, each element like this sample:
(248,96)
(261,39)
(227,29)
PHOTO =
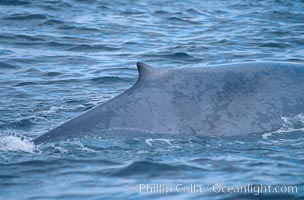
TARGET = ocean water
(59,58)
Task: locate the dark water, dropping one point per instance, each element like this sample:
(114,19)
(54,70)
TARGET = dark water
(60,58)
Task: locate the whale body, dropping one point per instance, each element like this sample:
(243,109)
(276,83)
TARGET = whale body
(222,100)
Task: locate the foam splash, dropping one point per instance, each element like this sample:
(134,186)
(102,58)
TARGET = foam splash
(150,141)
(290,124)
(15,143)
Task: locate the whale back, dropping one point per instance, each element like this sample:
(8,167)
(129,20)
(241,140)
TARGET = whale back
(223,100)
(219,100)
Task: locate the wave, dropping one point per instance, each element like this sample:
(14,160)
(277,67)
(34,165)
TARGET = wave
(26,17)
(156,169)
(14,2)
(177,56)
(96,47)
(25,83)
(18,37)
(111,80)
(178,20)
(52,74)
(8,66)
(24,123)
(53,22)
(275,45)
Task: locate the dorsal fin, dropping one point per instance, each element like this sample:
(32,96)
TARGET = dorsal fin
(144,70)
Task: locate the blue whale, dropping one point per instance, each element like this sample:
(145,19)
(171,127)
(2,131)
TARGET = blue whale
(222,100)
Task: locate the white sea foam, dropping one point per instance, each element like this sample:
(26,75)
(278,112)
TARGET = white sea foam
(290,124)
(52,110)
(15,143)
(150,141)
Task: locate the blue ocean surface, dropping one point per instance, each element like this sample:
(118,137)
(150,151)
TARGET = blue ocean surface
(59,58)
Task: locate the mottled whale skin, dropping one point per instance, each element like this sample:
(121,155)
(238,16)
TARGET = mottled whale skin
(222,100)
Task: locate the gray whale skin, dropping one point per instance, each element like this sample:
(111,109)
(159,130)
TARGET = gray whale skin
(222,100)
